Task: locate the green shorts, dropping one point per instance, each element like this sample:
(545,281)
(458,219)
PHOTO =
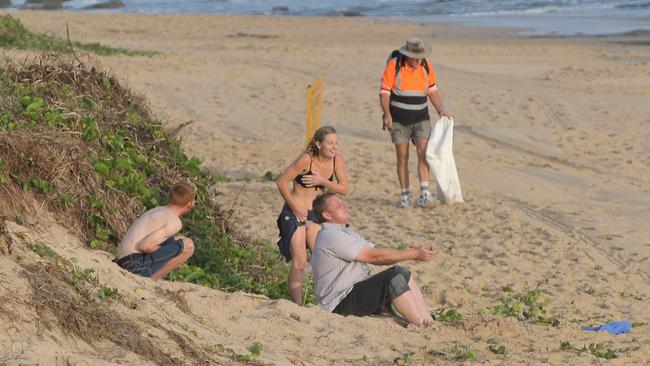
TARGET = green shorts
(401,134)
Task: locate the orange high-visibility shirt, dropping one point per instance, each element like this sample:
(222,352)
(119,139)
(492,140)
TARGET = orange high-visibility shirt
(410,79)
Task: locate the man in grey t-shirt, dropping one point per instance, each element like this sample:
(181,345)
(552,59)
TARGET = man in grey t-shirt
(343,283)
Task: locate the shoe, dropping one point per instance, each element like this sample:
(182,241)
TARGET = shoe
(426,199)
(397,317)
(404,201)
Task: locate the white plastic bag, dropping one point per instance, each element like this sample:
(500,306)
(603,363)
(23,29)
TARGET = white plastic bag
(440,156)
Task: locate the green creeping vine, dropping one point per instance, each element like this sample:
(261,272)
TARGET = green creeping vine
(125,164)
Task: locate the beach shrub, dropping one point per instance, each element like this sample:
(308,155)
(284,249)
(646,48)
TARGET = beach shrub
(270,176)
(501,350)
(84,281)
(455,353)
(255,351)
(107,292)
(529,306)
(13,34)
(95,155)
(404,359)
(598,350)
(449,316)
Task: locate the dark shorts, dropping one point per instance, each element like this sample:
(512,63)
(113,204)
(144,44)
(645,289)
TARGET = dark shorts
(370,296)
(288,224)
(146,264)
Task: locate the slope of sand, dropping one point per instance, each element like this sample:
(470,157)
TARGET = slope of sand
(551,146)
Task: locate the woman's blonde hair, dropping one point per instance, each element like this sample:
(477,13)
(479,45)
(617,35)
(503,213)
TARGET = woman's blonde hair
(319,136)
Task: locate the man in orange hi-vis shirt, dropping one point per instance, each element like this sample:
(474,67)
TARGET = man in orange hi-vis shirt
(408,81)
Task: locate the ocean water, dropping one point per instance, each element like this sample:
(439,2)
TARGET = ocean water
(536,16)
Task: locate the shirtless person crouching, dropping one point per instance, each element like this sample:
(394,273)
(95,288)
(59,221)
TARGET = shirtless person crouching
(150,248)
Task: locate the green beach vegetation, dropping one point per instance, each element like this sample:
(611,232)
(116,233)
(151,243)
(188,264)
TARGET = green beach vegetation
(597,350)
(529,306)
(14,35)
(456,353)
(94,155)
(449,316)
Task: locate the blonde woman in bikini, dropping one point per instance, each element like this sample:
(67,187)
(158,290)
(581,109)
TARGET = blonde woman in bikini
(312,174)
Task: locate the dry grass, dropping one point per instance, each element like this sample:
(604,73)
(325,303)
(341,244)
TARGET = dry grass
(55,72)
(60,306)
(5,240)
(61,160)
(176,297)
(59,154)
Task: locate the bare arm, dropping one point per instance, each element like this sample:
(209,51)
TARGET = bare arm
(152,241)
(381,256)
(289,175)
(436,100)
(387,119)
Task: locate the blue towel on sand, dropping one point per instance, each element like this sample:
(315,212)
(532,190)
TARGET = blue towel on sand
(614,328)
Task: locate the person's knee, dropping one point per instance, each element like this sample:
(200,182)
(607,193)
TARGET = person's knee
(399,284)
(299,264)
(312,229)
(403,271)
(188,246)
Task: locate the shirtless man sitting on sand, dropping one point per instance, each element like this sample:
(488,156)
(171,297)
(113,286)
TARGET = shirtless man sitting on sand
(150,248)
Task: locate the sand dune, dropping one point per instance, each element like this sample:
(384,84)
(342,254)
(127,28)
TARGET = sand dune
(551,146)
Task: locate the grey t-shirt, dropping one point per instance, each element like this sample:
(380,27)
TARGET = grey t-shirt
(334,269)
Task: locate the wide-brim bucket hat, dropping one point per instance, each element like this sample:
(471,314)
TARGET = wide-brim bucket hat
(415,48)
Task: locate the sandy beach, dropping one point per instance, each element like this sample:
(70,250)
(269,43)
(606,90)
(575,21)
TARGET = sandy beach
(551,144)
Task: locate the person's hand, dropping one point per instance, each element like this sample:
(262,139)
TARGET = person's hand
(444,113)
(387,121)
(300,213)
(311,180)
(424,254)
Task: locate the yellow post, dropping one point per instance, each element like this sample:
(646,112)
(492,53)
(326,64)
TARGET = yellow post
(314,105)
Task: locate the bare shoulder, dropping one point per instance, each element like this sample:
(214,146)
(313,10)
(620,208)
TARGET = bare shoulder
(304,157)
(163,215)
(303,160)
(170,216)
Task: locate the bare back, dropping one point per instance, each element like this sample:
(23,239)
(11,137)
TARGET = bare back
(157,224)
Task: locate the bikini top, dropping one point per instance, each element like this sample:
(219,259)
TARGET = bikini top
(298,178)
